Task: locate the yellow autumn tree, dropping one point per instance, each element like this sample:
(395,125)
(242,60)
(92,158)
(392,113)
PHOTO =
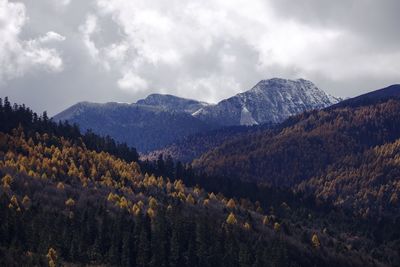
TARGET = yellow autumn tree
(394,199)
(212,196)
(69,202)
(190,199)
(136,209)
(265,220)
(315,241)
(231,219)
(182,196)
(6,181)
(14,201)
(112,197)
(26,201)
(60,186)
(153,203)
(151,212)
(231,204)
(52,257)
(123,203)
(73,170)
(277,227)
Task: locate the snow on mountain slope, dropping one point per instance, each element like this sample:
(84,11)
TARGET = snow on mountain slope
(271,100)
(246,118)
(173,103)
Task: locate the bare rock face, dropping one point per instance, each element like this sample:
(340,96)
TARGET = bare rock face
(271,100)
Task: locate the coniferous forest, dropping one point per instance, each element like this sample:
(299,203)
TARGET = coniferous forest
(69,198)
(199,133)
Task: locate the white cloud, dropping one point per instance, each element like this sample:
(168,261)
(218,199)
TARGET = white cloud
(19,56)
(178,34)
(204,88)
(87,30)
(51,36)
(132,83)
(65,2)
(62,2)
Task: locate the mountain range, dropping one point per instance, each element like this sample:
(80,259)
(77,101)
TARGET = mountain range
(159,120)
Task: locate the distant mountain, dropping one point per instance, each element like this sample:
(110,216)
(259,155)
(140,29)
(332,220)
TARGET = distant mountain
(348,155)
(289,98)
(145,127)
(159,120)
(172,103)
(271,100)
(376,96)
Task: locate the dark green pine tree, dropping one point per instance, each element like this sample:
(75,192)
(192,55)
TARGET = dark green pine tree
(159,240)
(175,259)
(177,239)
(217,239)
(231,249)
(245,255)
(279,256)
(75,241)
(142,237)
(261,256)
(84,238)
(202,244)
(102,242)
(190,236)
(116,238)
(128,243)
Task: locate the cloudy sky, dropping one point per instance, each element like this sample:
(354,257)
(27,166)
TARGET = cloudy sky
(54,53)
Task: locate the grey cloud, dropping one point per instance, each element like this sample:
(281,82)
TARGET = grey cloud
(375,21)
(210,52)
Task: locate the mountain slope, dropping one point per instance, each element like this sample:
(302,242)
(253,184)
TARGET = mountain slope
(193,146)
(367,182)
(64,204)
(376,96)
(145,127)
(315,145)
(270,101)
(172,103)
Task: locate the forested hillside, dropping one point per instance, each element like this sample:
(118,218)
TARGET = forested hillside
(63,202)
(13,116)
(193,146)
(332,149)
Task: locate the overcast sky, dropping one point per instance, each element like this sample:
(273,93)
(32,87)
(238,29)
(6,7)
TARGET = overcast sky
(54,53)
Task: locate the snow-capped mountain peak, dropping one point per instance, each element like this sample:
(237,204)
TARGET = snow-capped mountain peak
(270,100)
